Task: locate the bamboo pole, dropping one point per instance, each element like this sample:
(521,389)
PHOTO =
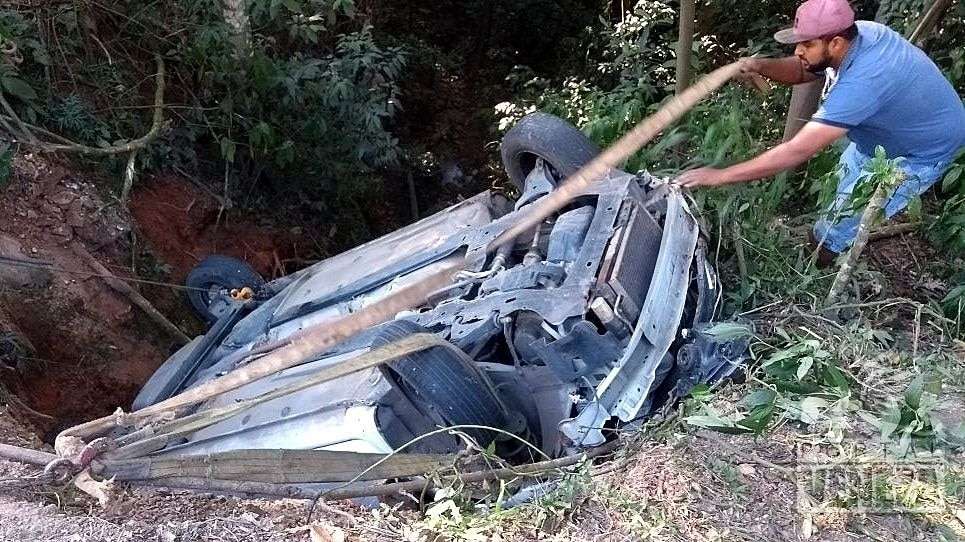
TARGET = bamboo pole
(312,341)
(616,154)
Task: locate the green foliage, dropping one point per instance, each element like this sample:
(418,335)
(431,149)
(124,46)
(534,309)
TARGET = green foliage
(285,97)
(878,171)
(906,421)
(801,380)
(948,229)
(74,118)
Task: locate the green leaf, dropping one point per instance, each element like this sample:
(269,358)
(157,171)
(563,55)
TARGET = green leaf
(804,367)
(726,331)
(958,291)
(228,150)
(951,178)
(19,88)
(889,421)
(761,397)
(835,378)
(700,391)
(759,418)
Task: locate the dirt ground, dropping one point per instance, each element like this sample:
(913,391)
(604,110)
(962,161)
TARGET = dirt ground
(699,486)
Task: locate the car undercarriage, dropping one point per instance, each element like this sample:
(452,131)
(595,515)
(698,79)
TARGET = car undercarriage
(587,324)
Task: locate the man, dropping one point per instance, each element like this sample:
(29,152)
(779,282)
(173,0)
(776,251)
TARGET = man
(880,90)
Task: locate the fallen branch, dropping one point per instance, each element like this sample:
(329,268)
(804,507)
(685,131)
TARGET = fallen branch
(157,123)
(893,230)
(26,455)
(369,490)
(869,216)
(125,289)
(508,473)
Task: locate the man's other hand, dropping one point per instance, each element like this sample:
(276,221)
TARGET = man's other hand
(705,176)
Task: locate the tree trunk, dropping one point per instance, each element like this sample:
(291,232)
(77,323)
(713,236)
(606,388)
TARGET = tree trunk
(236,16)
(618,10)
(804,102)
(928,21)
(685,44)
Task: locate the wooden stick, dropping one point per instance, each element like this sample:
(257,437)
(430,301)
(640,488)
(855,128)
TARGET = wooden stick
(868,218)
(928,21)
(125,289)
(25,455)
(885,232)
(685,44)
(372,490)
(508,473)
(311,341)
(615,155)
(276,466)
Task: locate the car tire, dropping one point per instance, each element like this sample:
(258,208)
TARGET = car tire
(213,274)
(443,385)
(541,135)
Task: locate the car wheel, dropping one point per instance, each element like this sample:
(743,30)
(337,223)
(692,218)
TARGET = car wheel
(208,281)
(446,387)
(541,135)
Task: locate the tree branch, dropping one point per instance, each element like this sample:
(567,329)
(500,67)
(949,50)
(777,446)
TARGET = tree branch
(868,218)
(156,124)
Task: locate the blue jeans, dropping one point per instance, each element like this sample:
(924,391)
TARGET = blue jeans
(837,230)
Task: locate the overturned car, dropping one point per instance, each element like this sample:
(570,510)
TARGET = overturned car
(592,321)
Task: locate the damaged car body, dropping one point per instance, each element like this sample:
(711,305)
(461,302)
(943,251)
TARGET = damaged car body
(592,321)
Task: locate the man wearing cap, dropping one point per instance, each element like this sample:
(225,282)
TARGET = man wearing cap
(879,90)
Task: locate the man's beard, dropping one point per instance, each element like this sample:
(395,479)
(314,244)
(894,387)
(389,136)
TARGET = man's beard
(818,69)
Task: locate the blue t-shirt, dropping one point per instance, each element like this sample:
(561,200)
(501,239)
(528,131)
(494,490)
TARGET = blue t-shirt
(890,93)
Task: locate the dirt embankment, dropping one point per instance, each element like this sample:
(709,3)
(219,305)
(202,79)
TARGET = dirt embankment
(74,347)
(71,347)
(182,224)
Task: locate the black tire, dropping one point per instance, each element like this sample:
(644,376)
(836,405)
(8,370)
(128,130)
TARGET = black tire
(213,274)
(444,386)
(541,135)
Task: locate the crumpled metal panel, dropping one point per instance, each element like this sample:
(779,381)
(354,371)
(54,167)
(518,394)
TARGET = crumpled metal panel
(424,237)
(625,389)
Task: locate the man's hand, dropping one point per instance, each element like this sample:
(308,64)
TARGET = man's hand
(750,75)
(704,176)
(749,68)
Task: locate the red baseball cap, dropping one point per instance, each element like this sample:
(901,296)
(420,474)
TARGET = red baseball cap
(816,19)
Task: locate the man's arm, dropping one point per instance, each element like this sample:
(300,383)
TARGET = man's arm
(788,70)
(811,139)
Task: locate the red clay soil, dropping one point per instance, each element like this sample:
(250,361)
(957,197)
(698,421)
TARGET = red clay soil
(84,350)
(180,224)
